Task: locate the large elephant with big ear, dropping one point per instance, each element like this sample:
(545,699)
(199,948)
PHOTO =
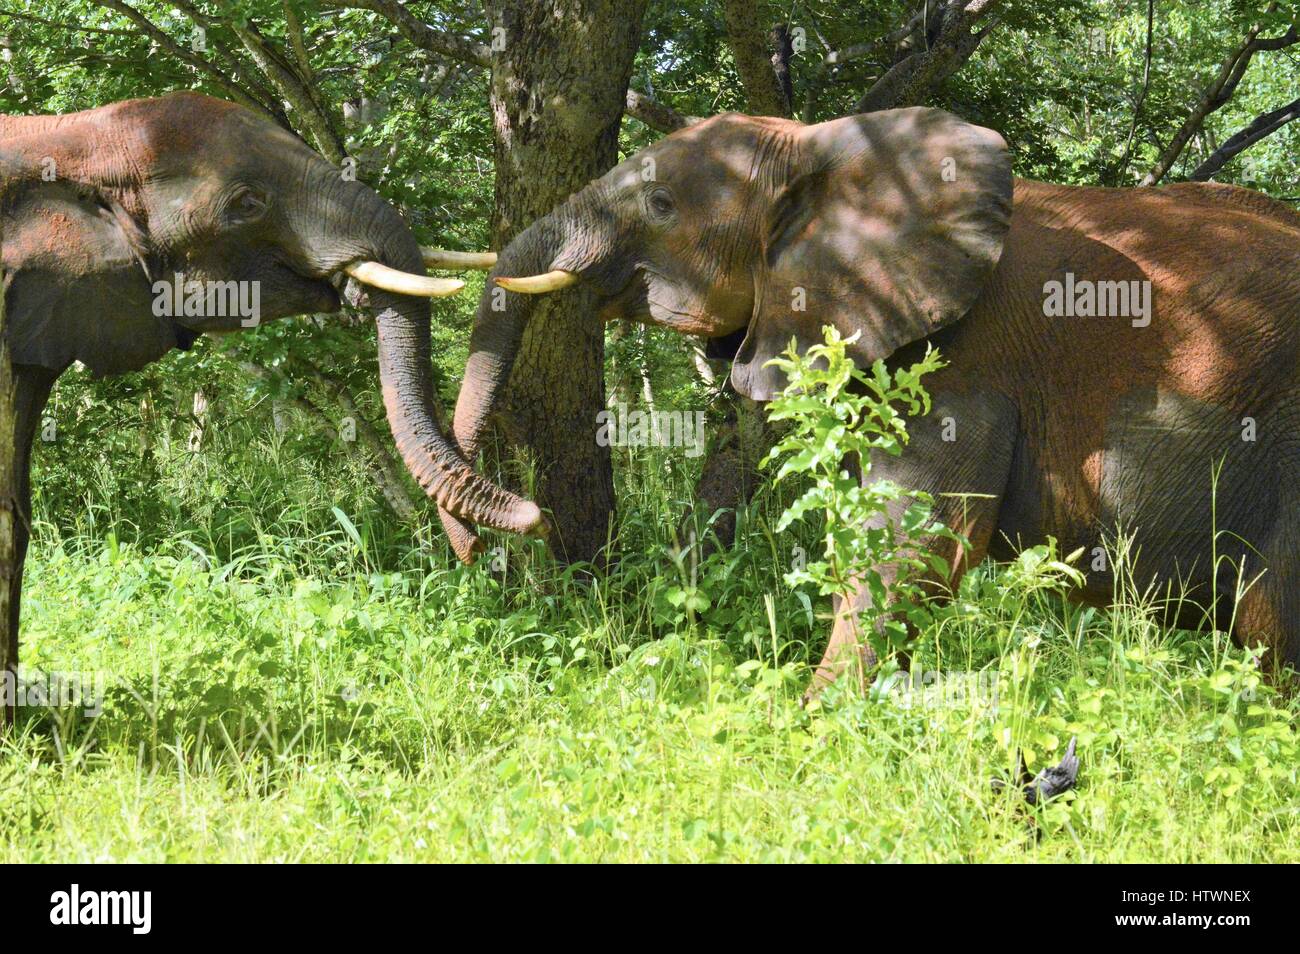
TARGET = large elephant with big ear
(1174,359)
(130,229)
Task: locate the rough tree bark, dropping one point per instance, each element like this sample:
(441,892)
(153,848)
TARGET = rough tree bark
(471,52)
(560,71)
(749,38)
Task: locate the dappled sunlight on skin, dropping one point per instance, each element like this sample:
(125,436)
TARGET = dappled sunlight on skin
(888,229)
(904,228)
(1203,245)
(697,261)
(1147,404)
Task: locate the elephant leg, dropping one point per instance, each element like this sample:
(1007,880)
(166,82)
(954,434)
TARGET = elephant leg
(960,454)
(31,391)
(1269,612)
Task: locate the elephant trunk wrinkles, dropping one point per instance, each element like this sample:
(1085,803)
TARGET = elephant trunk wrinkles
(494,345)
(406,379)
(498,330)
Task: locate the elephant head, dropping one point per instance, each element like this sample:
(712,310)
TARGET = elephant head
(132,228)
(885,225)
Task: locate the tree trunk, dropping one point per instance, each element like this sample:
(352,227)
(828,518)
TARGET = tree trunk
(560,71)
(738,442)
(749,38)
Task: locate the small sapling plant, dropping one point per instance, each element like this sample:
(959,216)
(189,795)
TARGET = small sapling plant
(836,413)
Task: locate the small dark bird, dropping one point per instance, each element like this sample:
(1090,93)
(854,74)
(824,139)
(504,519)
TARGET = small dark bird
(1048,783)
(1056,779)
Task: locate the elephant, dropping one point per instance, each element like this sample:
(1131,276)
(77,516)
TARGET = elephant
(131,229)
(1119,361)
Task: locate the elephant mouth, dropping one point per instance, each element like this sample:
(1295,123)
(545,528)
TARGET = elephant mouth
(653,299)
(321,295)
(226,306)
(326,291)
(331,301)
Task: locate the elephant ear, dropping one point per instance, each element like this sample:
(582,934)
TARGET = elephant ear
(77,284)
(889,229)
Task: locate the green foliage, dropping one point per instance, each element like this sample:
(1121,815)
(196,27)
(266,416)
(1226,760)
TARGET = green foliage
(303,703)
(839,413)
(314,684)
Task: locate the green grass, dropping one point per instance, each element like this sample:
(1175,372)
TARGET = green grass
(328,693)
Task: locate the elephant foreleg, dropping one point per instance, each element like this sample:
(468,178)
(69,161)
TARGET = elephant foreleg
(960,454)
(31,389)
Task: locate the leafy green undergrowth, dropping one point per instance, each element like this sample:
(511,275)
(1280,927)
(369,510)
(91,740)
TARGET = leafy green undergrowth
(288,674)
(300,705)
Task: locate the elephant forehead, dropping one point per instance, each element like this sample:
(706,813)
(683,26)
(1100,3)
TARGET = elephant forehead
(707,158)
(177,125)
(204,136)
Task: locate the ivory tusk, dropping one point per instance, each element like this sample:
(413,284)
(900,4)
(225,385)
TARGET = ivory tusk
(441,258)
(538,284)
(403,283)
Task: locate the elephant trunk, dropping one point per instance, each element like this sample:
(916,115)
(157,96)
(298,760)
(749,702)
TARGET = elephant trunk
(406,380)
(498,330)
(494,344)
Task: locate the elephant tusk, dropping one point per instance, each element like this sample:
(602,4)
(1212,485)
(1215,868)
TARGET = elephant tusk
(538,284)
(441,258)
(403,283)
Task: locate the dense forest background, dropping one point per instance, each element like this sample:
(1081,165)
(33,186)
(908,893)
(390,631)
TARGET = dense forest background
(296,668)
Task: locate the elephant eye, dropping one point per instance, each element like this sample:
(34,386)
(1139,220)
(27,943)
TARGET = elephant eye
(248,206)
(659,205)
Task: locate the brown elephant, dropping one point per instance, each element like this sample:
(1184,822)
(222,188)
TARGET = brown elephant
(130,229)
(1108,349)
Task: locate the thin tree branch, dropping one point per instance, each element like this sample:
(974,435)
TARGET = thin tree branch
(302,68)
(913,78)
(233,89)
(1217,94)
(293,30)
(830,64)
(1142,94)
(655,114)
(312,114)
(249,77)
(71,27)
(419,33)
(1264,125)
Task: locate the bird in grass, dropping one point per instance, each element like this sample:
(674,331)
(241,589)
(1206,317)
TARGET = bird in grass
(1048,783)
